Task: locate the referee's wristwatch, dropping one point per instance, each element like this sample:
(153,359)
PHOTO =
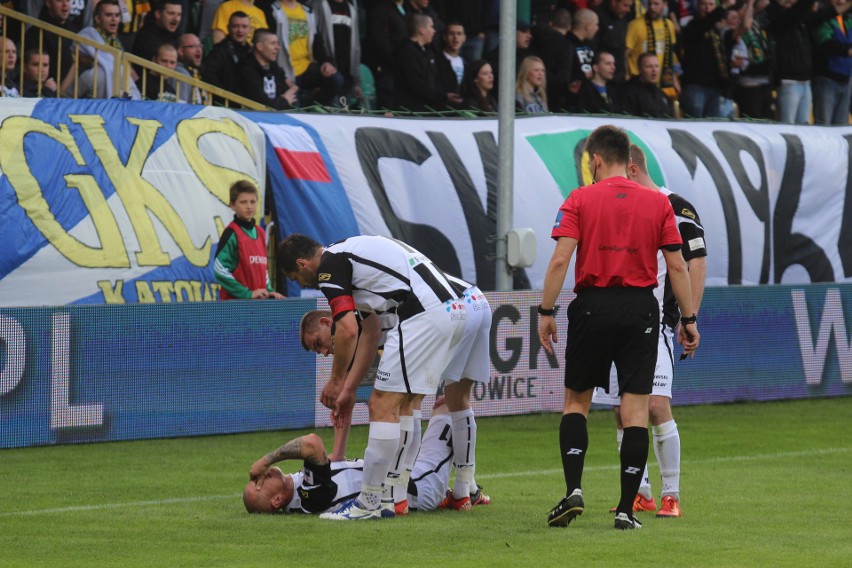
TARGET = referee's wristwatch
(688,320)
(542,312)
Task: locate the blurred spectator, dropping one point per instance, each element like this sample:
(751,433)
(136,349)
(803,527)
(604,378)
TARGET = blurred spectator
(159,29)
(451,65)
(705,62)
(189,56)
(167,57)
(222,18)
(582,34)
(423,7)
(491,16)
(531,86)
(753,84)
(261,79)
(833,65)
(523,39)
(97,82)
(56,13)
(9,88)
(387,29)
(471,15)
(641,95)
(417,80)
(337,27)
(599,95)
(37,81)
(551,44)
(220,65)
(789,23)
(612,34)
(729,29)
(311,68)
(478,87)
(655,33)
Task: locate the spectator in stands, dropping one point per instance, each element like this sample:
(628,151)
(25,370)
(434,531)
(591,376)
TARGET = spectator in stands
(641,96)
(37,81)
(451,65)
(311,68)
(478,87)
(705,62)
(531,86)
(551,44)
(423,7)
(581,37)
(833,65)
(161,28)
(599,95)
(387,29)
(790,22)
(471,16)
(261,79)
(190,54)
(167,57)
(612,34)
(56,13)
(729,29)
(222,19)
(656,33)
(97,82)
(220,65)
(9,88)
(338,30)
(523,40)
(417,81)
(753,84)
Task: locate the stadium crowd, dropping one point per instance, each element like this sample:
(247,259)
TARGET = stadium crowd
(785,60)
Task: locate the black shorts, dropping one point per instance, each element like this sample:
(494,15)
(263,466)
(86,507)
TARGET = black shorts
(612,325)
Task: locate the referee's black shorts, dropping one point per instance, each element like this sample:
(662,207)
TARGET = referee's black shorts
(612,325)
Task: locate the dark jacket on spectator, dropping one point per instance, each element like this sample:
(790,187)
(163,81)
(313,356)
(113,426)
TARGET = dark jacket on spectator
(790,27)
(704,52)
(469,13)
(612,37)
(645,99)
(149,39)
(219,67)
(251,78)
(416,80)
(556,53)
(386,31)
(50,43)
(590,100)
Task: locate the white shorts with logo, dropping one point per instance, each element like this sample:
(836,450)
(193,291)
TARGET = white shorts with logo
(431,473)
(419,349)
(663,373)
(470,358)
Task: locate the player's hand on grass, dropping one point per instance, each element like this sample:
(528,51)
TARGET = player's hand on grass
(257,471)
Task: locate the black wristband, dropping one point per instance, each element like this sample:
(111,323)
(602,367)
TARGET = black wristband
(541,311)
(690,319)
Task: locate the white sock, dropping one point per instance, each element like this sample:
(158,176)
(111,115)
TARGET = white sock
(396,482)
(464,451)
(382,444)
(667,450)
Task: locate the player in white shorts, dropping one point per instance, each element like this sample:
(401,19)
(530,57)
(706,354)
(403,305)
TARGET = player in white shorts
(381,275)
(322,485)
(664,429)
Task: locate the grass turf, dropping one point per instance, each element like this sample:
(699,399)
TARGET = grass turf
(762,485)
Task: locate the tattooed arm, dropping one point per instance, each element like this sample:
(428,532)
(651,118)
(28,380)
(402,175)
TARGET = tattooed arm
(308,448)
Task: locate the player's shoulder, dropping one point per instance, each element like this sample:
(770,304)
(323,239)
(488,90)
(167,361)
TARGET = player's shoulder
(682,207)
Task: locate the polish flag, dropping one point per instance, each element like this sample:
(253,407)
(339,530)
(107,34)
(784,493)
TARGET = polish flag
(297,152)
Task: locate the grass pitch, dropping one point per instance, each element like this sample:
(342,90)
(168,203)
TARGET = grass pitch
(762,485)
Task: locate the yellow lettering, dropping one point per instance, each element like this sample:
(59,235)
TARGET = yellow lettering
(165,289)
(196,290)
(14,164)
(144,294)
(214,289)
(216,179)
(138,196)
(112,295)
(220,225)
(183,290)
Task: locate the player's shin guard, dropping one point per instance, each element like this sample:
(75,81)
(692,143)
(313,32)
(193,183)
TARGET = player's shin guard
(382,444)
(667,449)
(634,457)
(573,442)
(464,451)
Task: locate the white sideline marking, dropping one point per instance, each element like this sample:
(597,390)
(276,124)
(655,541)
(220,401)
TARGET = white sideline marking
(805,453)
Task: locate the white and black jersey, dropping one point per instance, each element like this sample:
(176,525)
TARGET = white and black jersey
(317,488)
(383,275)
(692,233)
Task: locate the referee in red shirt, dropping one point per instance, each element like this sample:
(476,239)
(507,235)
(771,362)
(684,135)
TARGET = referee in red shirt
(617,226)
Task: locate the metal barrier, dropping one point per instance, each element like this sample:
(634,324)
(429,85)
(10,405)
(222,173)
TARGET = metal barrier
(122,62)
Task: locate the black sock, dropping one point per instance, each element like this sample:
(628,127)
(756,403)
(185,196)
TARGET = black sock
(573,442)
(634,456)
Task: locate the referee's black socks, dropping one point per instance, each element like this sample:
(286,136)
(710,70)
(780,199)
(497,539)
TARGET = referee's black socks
(634,457)
(573,442)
